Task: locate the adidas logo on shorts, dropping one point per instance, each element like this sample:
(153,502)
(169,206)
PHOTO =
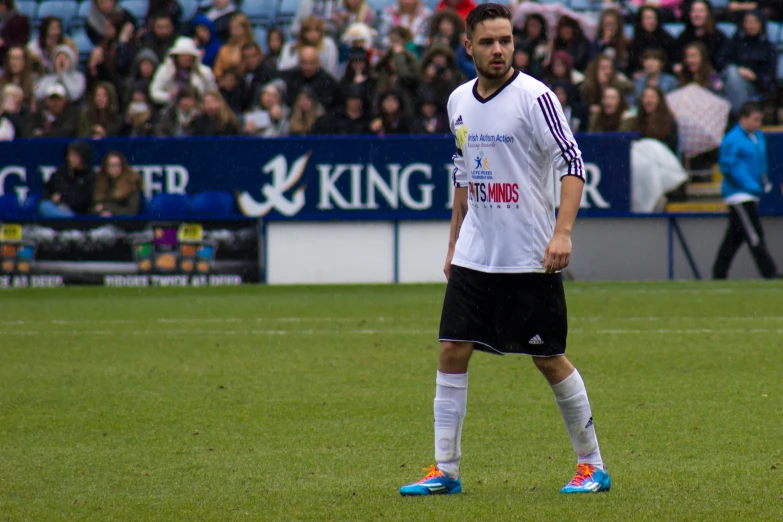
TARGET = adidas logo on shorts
(536,340)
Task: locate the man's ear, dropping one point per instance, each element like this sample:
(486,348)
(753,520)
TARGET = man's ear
(468,48)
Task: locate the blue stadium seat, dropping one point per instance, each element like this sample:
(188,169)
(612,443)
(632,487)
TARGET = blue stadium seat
(138,8)
(720,4)
(168,206)
(65,10)
(727,28)
(259,11)
(628,31)
(286,11)
(30,205)
(260,33)
(780,67)
(432,4)
(674,29)
(216,203)
(189,8)
(83,11)
(9,206)
(773,31)
(379,5)
(27,8)
(81,40)
(586,5)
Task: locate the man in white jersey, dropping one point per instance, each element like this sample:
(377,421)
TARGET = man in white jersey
(505,293)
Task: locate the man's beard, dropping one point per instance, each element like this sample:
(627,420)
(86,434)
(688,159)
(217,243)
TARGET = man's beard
(490,74)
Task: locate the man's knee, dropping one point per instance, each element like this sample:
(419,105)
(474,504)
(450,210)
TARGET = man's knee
(454,356)
(555,368)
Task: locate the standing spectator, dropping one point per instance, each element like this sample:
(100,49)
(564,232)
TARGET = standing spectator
(64,73)
(170,8)
(178,120)
(257,71)
(7,129)
(161,37)
(353,12)
(613,113)
(439,71)
(570,38)
(649,34)
(321,9)
(358,72)
(654,119)
(393,115)
(461,7)
(18,70)
(112,58)
(413,15)
(447,28)
(431,118)
(654,61)
(220,14)
(352,119)
(700,27)
(69,190)
(561,68)
(275,40)
(270,103)
(140,114)
(309,74)
(743,163)
(397,70)
(14,28)
(311,34)
(575,114)
(144,66)
(107,20)
(117,187)
(535,36)
(217,118)
(601,73)
(101,116)
(206,39)
(750,61)
(181,68)
(50,36)
(230,55)
(232,89)
(696,68)
(610,40)
(304,113)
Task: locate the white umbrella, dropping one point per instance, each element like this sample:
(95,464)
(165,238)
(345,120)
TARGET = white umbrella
(654,172)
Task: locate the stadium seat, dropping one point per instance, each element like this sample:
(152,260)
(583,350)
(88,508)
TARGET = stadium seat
(727,28)
(720,4)
(82,41)
(260,32)
(674,29)
(9,206)
(432,4)
(586,5)
(27,8)
(216,203)
(84,11)
(259,11)
(380,5)
(138,8)
(30,205)
(189,9)
(286,11)
(65,10)
(628,31)
(773,31)
(168,206)
(779,71)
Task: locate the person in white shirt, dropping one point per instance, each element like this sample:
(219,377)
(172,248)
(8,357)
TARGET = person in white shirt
(506,249)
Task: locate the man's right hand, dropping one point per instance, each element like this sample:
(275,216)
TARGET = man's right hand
(447,266)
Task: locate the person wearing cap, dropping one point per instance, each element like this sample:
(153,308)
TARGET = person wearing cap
(65,73)
(56,119)
(351,119)
(181,67)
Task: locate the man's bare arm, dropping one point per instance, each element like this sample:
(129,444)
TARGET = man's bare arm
(458,214)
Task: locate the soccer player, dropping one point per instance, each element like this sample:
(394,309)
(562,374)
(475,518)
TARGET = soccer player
(505,293)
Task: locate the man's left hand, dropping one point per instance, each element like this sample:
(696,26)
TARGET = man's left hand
(558,253)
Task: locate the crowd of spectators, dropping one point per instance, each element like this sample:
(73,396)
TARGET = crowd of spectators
(341,67)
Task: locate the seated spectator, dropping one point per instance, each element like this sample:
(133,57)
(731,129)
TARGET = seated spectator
(447,28)
(64,73)
(696,68)
(16,111)
(7,129)
(654,119)
(162,36)
(217,118)
(117,187)
(534,36)
(144,66)
(14,28)
(18,70)
(233,91)
(304,113)
(575,114)
(612,115)
(611,40)
(69,190)
(140,114)
(412,15)
(257,71)
(180,69)
(275,40)
(101,115)
(397,70)
(654,61)
(170,8)
(750,61)
(700,27)
(309,74)
(461,7)
(321,9)
(230,54)
(439,71)
(352,12)
(107,20)
(178,120)
(358,72)
(431,118)
(220,14)
(523,61)
(669,9)
(56,119)
(358,36)
(649,34)
(561,68)
(570,38)
(206,39)
(353,118)
(50,37)
(312,34)
(112,58)
(601,73)
(393,115)
(270,119)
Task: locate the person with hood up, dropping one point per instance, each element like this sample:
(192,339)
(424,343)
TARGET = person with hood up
(431,118)
(69,189)
(461,7)
(144,65)
(205,37)
(351,119)
(181,68)
(65,73)
(438,69)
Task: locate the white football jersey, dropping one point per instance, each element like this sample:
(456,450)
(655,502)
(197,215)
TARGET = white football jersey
(509,148)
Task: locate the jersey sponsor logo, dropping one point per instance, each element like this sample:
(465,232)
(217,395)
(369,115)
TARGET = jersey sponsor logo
(481,170)
(499,193)
(490,140)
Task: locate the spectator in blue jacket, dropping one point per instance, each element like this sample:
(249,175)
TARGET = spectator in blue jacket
(750,60)
(206,38)
(743,162)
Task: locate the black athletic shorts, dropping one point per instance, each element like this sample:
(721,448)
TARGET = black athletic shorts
(505,313)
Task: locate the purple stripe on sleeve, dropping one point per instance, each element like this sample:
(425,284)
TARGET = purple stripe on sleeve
(558,129)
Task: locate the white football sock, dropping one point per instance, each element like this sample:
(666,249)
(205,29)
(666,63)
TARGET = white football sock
(451,397)
(571,398)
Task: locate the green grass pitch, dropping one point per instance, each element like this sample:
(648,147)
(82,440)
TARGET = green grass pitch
(315,403)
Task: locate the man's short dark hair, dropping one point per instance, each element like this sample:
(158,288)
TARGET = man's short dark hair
(484,12)
(251,45)
(749,108)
